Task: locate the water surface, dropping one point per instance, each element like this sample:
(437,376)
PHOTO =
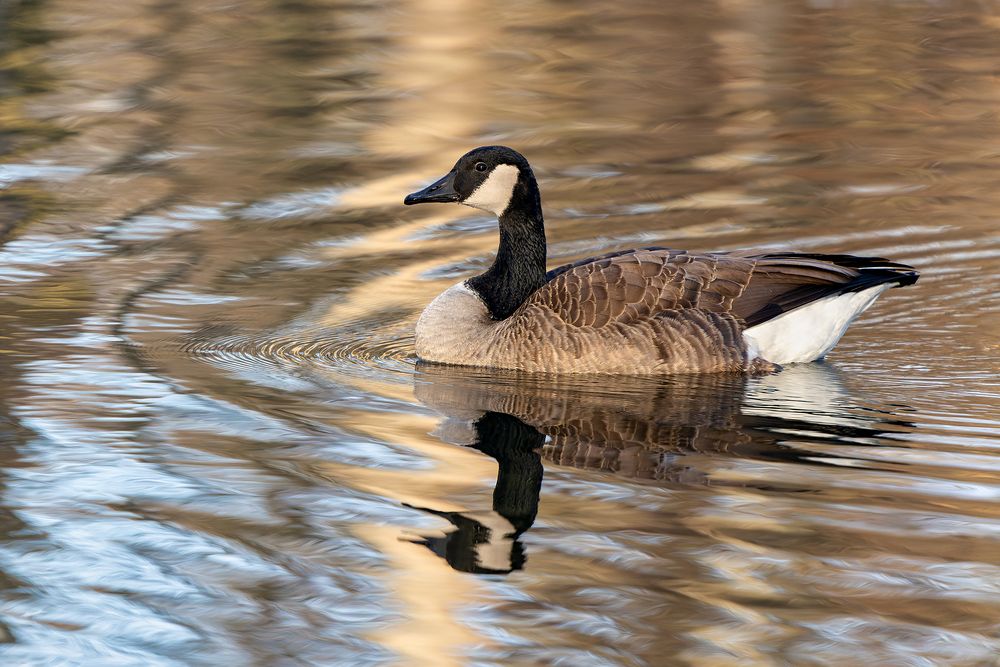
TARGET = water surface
(216,446)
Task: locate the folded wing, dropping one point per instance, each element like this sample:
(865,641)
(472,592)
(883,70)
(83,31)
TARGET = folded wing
(628,286)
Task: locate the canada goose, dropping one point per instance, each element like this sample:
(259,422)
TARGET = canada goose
(643,311)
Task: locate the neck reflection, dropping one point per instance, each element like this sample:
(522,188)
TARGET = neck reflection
(487,543)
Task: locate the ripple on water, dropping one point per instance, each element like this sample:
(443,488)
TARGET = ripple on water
(351,351)
(216,446)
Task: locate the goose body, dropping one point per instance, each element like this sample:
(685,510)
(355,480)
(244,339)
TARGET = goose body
(644,311)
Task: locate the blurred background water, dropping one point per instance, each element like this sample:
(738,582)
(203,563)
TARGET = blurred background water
(216,448)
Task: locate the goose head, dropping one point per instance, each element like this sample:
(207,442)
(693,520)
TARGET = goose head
(498,179)
(495,179)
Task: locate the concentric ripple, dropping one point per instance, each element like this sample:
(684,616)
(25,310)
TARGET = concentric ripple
(349,351)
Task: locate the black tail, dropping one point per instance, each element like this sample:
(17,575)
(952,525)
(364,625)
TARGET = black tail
(872,271)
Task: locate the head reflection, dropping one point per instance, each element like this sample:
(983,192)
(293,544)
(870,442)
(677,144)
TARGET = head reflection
(487,542)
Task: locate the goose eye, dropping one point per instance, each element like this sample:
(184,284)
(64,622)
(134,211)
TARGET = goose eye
(480,166)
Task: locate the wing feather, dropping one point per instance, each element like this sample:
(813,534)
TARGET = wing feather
(626,286)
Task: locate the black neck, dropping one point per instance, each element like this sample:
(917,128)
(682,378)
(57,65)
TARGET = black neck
(519,268)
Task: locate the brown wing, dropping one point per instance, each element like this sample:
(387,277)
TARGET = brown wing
(627,286)
(636,285)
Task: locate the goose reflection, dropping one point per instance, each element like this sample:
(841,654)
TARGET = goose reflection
(487,542)
(645,429)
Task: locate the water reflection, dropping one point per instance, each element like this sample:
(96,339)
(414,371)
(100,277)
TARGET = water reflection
(639,428)
(209,440)
(487,542)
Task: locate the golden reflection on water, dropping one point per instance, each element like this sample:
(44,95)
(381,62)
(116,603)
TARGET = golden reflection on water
(215,444)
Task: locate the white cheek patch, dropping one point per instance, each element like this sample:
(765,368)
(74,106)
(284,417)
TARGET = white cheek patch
(495,192)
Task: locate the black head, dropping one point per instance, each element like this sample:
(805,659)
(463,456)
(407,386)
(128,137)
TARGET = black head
(487,178)
(498,179)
